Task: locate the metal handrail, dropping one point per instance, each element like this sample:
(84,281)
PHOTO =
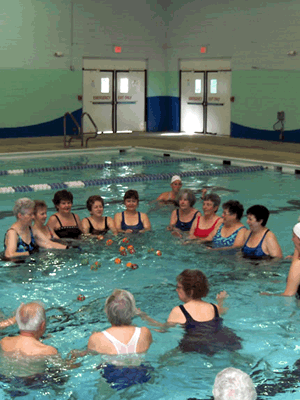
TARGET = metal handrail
(79,136)
(95,126)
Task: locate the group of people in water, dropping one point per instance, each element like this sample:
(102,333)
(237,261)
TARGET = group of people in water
(201,320)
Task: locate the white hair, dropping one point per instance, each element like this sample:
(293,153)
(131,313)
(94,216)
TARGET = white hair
(233,384)
(120,307)
(22,206)
(30,316)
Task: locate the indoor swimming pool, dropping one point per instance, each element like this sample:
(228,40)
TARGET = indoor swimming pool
(269,326)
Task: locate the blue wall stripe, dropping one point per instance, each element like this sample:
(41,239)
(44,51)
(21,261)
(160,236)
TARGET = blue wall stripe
(50,128)
(240,131)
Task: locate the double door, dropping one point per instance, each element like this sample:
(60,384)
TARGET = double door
(115,99)
(205,102)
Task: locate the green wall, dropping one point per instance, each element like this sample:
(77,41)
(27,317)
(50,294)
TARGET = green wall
(260,94)
(33,96)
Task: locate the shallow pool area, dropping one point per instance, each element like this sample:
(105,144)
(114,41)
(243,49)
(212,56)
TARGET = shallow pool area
(269,326)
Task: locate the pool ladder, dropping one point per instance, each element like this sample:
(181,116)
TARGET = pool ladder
(80,134)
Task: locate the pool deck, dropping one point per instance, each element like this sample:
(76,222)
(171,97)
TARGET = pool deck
(260,150)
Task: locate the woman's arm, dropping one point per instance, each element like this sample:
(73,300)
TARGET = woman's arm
(117,221)
(11,240)
(153,322)
(273,246)
(7,322)
(173,220)
(293,281)
(146,222)
(163,197)
(112,226)
(175,231)
(85,226)
(42,240)
(52,222)
(220,300)
(240,238)
(193,227)
(79,223)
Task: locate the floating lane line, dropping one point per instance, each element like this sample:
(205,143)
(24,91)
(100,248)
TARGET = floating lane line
(133,178)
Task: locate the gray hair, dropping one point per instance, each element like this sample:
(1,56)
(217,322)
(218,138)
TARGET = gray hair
(214,198)
(120,307)
(22,205)
(189,194)
(30,316)
(233,384)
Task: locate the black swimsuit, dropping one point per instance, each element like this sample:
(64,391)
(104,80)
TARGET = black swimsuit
(207,337)
(94,231)
(67,232)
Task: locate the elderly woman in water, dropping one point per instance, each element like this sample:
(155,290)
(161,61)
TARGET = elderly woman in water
(183,217)
(123,343)
(260,242)
(97,224)
(43,234)
(65,224)
(19,239)
(209,221)
(230,233)
(204,331)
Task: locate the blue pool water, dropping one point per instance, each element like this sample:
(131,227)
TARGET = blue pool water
(269,326)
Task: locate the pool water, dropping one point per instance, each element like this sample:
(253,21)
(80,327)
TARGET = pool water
(269,326)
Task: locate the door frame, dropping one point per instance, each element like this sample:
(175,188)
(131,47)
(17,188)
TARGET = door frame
(114,66)
(202,66)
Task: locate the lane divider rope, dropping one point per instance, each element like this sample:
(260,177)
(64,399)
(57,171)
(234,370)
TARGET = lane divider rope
(98,166)
(133,178)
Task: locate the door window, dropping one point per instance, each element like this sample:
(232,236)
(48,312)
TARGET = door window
(197,86)
(104,85)
(213,86)
(124,85)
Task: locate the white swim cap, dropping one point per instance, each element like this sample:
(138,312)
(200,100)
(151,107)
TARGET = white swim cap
(296,230)
(175,178)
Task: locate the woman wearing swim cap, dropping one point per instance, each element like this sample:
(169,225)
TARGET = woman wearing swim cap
(293,281)
(170,197)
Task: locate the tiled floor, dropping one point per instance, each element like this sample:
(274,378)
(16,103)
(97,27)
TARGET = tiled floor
(275,152)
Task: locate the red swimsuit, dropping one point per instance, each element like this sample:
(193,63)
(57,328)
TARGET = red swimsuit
(203,233)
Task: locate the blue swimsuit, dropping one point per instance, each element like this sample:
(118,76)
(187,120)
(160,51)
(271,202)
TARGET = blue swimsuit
(184,226)
(138,227)
(22,246)
(254,252)
(220,241)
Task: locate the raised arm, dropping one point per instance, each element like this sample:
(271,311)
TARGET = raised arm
(220,300)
